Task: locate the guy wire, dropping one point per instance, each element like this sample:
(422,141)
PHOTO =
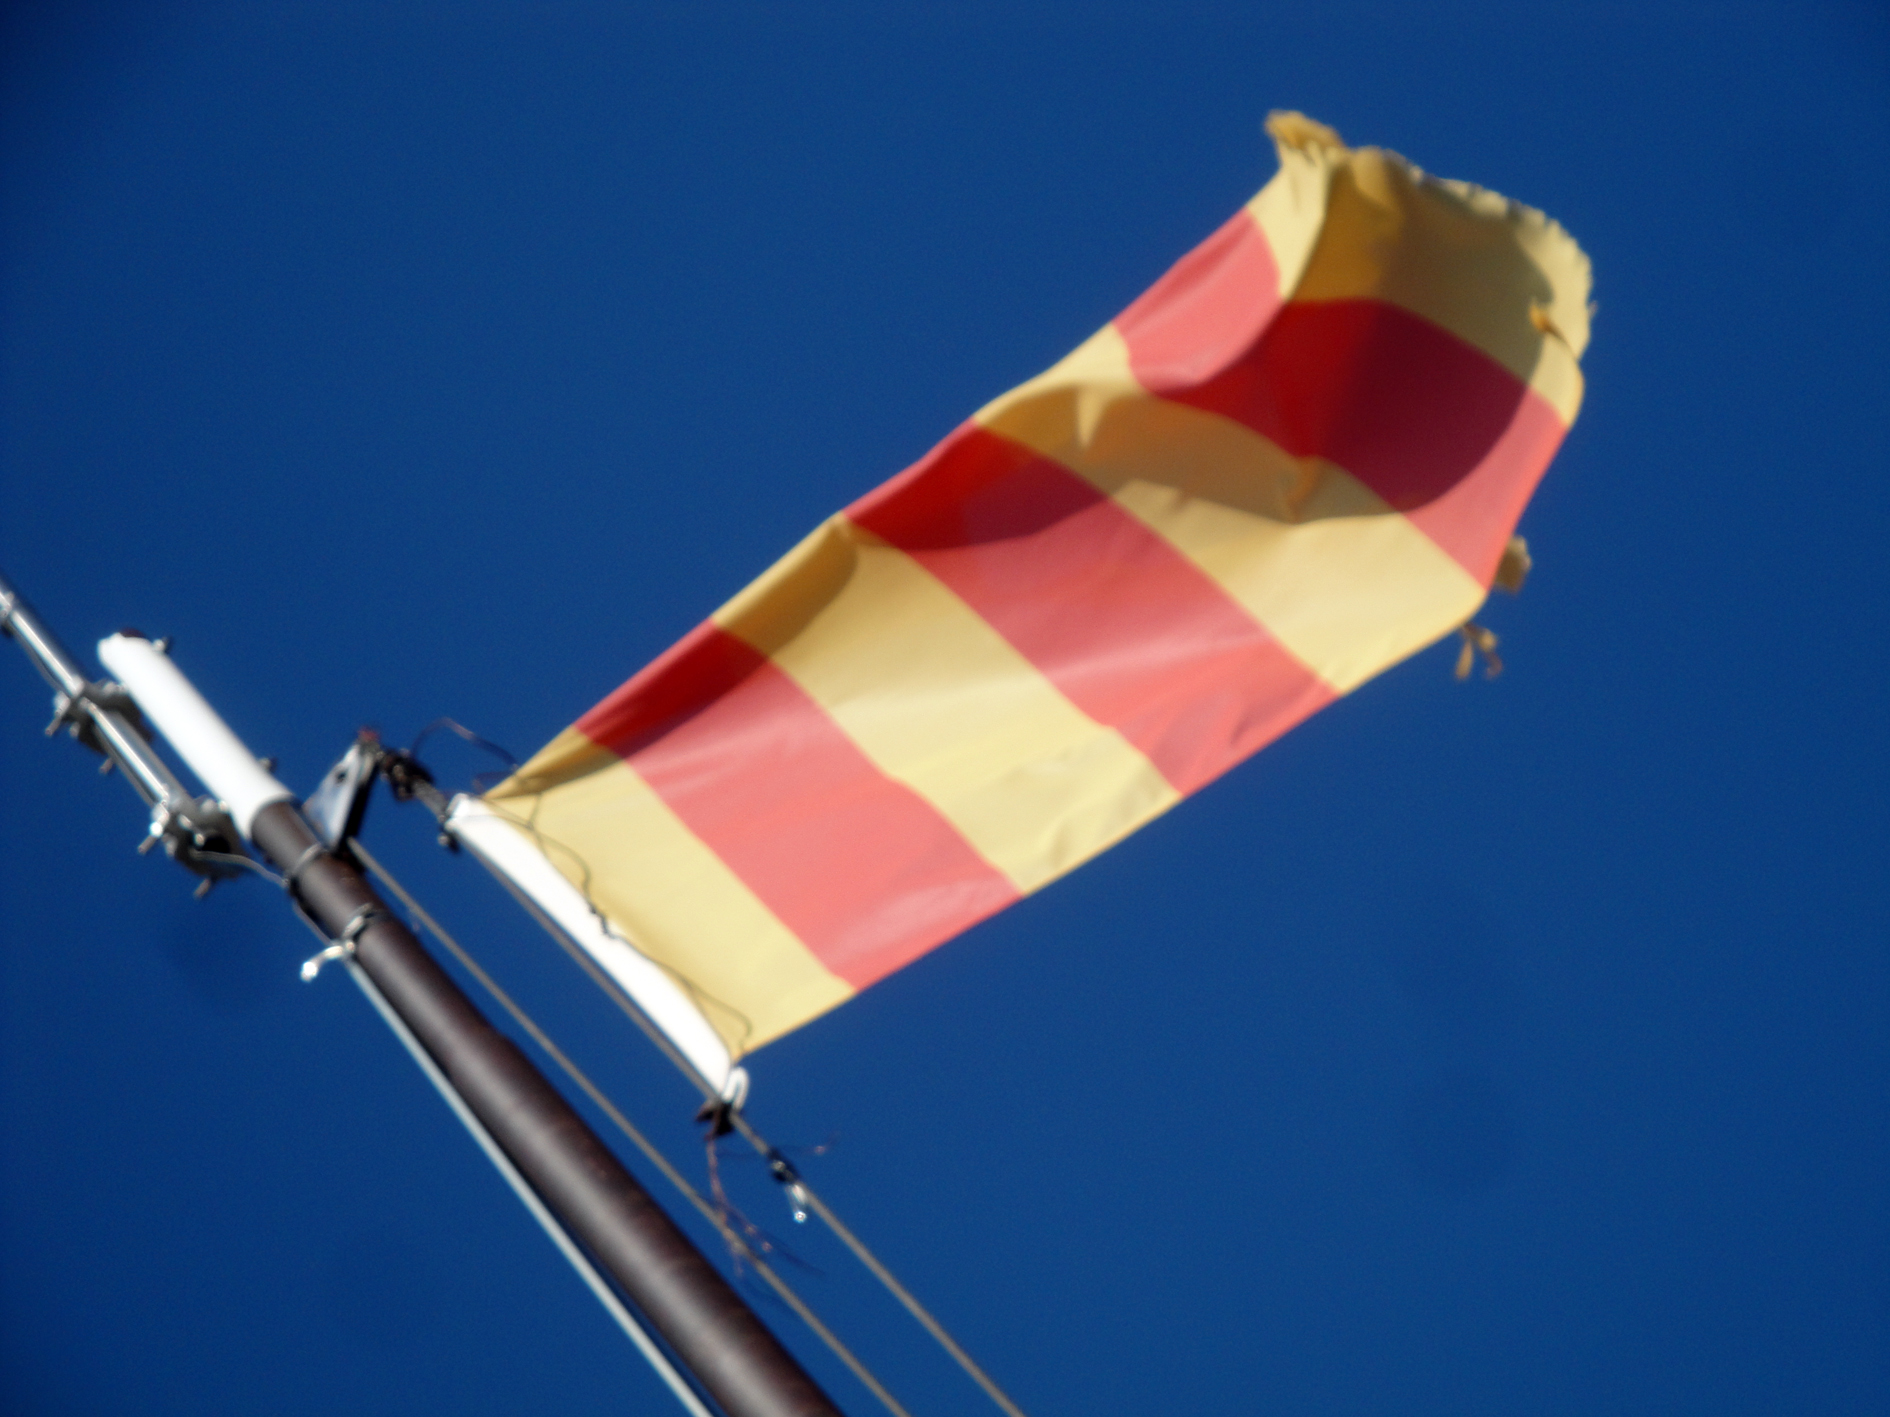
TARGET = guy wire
(629,1129)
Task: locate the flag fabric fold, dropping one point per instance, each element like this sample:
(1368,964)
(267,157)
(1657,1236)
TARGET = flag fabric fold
(1293,462)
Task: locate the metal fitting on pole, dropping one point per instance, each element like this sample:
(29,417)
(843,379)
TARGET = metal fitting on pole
(196,831)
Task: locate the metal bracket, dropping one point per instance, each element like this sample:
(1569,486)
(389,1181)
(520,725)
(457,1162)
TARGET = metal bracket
(344,946)
(189,827)
(103,717)
(69,713)
(409,779)
(790,1180)
(337,807)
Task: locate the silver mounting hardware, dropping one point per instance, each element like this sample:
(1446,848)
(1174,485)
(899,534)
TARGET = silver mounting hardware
(102,716)
(312,966)
(344,946)
(75,712)
(189,826)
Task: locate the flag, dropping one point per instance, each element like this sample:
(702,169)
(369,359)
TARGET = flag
(1293,462)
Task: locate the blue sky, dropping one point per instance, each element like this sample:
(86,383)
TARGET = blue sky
(1489,1048)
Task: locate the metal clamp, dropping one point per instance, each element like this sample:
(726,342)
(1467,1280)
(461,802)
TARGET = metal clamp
(783,1171)
(73,711)
(292,876)
(344,946)
(195,832)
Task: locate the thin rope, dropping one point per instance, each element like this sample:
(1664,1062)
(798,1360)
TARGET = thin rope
(656,1035)
(704,1001)
(479,779)
(624,1125)
(465,734)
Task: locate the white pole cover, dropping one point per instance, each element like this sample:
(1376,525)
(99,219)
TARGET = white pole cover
(202,739)
(512,855)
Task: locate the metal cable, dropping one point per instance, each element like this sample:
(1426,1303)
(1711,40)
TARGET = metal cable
(642,1143)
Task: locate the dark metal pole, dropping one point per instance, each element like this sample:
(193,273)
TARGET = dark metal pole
(712,1330)
(741,1364)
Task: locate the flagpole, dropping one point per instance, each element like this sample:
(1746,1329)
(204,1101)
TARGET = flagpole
(598,1285)
(548,1146)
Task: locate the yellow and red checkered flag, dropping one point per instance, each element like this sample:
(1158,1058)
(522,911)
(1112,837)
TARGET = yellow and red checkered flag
(1293,462)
